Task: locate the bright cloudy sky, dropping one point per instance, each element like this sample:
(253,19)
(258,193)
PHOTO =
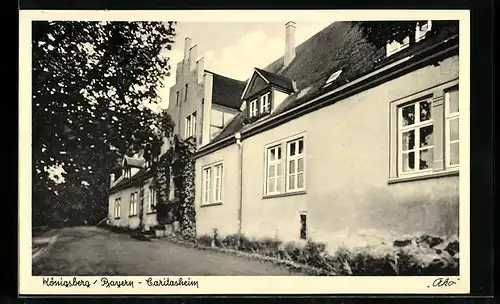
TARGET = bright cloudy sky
(233,49)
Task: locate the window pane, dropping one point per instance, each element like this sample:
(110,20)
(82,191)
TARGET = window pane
(426,158)
(291,182)
(280,170)
(301,146)
(453,101)
(272,154)
(292,149)
(291,166)
(279,181)
(272,171)
(272,185)
(425,110)
(408,113)
(454,153)
(408,140)
(300,165)
(426,136)
(300,180)
(279,152)
(454,129)
(408,162)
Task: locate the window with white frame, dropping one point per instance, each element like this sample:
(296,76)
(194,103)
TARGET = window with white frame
(193,124)
(452,127)
(133,204)
(218,183)
(415,137)
(151,199)
(127,173)
(207,172)
(295,165)
(265,103)
(291,156)
(190,125)
(424,135)
(187,127)
(117,207)
(274,170)
(253,108)
(212,184)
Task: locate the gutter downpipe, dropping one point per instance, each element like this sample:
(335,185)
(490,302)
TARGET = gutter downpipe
(237,136)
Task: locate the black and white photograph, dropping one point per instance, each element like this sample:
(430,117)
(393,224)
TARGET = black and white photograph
(179,151)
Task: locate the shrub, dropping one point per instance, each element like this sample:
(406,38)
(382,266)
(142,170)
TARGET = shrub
(417,255)
(158,227)
(205,240)
(424,255)
(231,241)
(268,247)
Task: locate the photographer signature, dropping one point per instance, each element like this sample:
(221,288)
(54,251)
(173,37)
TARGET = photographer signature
(443,282)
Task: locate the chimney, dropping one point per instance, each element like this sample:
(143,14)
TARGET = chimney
(289,42)
(111,179)
(193,55)
(187,47)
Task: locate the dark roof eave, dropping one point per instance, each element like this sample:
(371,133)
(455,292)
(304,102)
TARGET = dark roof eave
(131,182)
(375,77)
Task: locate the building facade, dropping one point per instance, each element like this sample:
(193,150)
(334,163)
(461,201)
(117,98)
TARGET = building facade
(201,103)
(340,138)
(132,197)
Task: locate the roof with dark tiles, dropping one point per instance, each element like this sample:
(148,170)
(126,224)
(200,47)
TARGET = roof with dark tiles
(227,91)
(277,80)
(339,46)
(135,180)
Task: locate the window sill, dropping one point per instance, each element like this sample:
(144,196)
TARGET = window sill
(444,173)
(284,194)
(211,204)
(151,212)
(135,215)
(117,218)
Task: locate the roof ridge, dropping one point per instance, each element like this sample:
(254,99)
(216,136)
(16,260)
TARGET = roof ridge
(302,44)
(224,76)
(273,74)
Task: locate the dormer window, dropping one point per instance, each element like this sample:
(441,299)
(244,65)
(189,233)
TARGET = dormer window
(422,29)
(253,108)
(420,32)
(260,105)
(264,92)
(127,173)
(394,46)
(265,103)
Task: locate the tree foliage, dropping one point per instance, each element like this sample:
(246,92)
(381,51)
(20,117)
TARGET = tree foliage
(177,165)
(382,32)
(90,84)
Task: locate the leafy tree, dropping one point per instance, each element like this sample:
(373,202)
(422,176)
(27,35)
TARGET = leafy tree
(90,84)
(382,32)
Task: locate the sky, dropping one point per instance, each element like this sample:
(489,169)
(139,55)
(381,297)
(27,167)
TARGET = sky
(233,49)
